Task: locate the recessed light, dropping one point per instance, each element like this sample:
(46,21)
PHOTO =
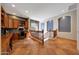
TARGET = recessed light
(14,17)
(26,11)
(14,13)
(63,10)
(13,5)
(63,17)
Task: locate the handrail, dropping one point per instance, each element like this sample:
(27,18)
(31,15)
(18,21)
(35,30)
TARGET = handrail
(38,35)
(41,35)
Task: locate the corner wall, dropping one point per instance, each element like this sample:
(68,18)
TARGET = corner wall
(73,33)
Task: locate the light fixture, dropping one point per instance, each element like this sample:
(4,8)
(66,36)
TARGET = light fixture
(14,13)
(26,11)
(63,17)
(13,5)
(14,17)
(63,10)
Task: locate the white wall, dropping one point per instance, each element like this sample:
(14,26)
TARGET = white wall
(78,27)
(73,33)
(39,26)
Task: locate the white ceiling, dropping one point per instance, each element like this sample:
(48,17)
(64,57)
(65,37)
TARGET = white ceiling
(37,11)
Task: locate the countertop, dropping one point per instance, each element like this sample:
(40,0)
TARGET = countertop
(5,42)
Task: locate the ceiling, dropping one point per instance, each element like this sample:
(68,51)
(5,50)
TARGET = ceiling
(36,11)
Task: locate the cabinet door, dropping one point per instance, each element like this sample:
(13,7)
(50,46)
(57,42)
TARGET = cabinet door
(26,24)
(16,23)
(2,20)
(6,21)
(15,37)
(10,23)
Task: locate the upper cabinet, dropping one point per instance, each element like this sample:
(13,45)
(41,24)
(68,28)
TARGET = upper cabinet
(15,23)
(26,24)
(6,21)
(2,18)
(10,22)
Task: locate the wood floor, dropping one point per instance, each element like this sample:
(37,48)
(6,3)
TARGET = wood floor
(57,46)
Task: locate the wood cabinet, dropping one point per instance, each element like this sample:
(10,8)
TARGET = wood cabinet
(5,43)
(26,24)
(15,23)
(10,22)
(2,18)
(6,21)
(15,37)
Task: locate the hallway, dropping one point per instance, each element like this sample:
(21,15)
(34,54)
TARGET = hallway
(57,46)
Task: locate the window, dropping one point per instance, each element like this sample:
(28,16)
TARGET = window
(42,26)
(34,25)
(64,24)
(50,25)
